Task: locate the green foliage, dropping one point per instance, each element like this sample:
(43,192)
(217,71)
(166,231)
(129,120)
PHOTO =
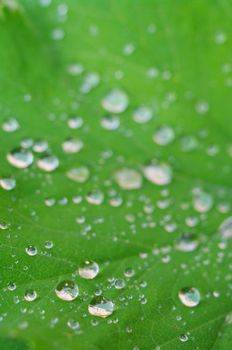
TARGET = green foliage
(188,46)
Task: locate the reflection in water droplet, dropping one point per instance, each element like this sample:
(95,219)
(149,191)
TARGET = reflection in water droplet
(189,297)
(80,174)
(116,101)
(225,228)
(75,122)
(40,146)
(202,202)
(88,269)
(142,115)
(48,163)
(67,290)
(158,173)
(31,250)
(128,179)
(20,158)
(164,136)
(72,145)
(188,242)
(8,184)
(10,125)
(95,197)
(30,295)
(110,122)
(101,307)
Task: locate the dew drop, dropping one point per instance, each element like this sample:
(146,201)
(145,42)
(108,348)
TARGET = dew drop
(142,115)
(110,122)
(158,173)
(75,122)
(101,307)
(225,228)
(116,101)
(8,183)
(164,136)
(40,146)
(128,179)
(48,163)
(202,202)
(95,197)
(188,242)
(30,295)
(10,125)
(183,338)
(80,174)
(72,324)
(31,250)
(67,290)
(20,158)
(189,297)
(88,269)
(72,146)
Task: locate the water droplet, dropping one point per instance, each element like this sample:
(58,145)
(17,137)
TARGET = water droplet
(91,80)
(189,297)
(8,184)
(40,146)
(75,69)
(142,115)
(202,202)
(202,107)
(11,286)
(48,244)
(158,173)
(72,145)
(129,272)
(3,225)
(20,158)
(75,122)
(95,197)
(101,307)
(110,122)
(119,284)
(88,269)
(67,290)
(80,174)
(31,250)
(128,179)
(225,228)
(73,324)
(164,136)
(116,101)
(183,338)
(48,163)
(188,242)
(30,295)
(10,125)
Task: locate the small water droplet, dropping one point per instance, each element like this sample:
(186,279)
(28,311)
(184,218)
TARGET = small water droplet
(10,125)
(116,101)
(73,324)
(8,183)
(189,297)
(128,179)
(30,295)
(88,269)
(101,307)
(142,115)
(20,158)
(164,136)
(72,145)
(80,174)
(67,290)
(188,242)
(95,197)
(158,173)
(31,250)
(48,163)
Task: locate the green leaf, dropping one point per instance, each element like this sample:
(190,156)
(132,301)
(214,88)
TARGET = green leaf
(175,59)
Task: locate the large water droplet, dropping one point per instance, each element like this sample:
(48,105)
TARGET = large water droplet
(88,269)
(158,173)
(226,228)
(67,290)
(80,174)
(30,295)
(164,136)
(142,115)
(31,250)
(10,125)
(128,179)
(101,307)
(8,183)
(189,296)
(48,163)
(72,145)
(116,101)
(188,242)
(95,197)
(20,158)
